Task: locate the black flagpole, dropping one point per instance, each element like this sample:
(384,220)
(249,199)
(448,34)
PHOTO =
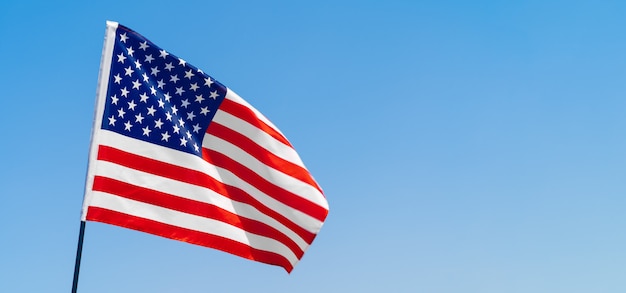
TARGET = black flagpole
(79,251)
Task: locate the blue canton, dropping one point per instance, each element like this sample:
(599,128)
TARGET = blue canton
(157,97)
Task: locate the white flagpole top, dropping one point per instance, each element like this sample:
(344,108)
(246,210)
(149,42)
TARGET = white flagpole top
(112,24)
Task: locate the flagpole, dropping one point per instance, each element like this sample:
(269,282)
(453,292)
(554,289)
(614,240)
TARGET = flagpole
(101,91)
(79,252)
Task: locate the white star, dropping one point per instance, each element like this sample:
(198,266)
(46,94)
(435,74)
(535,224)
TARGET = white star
(125,92)
(132,105)
(185,103)
(154,70)
(129,71)
(204,110)
(189,74)
(137,64)
(139,118)
(118,78)
(195,147)
(123,38)
(180,91)
(168,116)
(181,62)
(199,99)
(163,54)
(167,96)
(181,122)
(144,45)
(214,95)
(151,110)
(127,125)
(112,120)
(145,77)
(153,90)
(174,110)
(149,58)
(183,141)
(194,86)
(188,134)
(161,84)
(120,113)
(121,58)
(158,123)
(174,78)
(165,136)
(176,129)
(169,66)
(161,104)
(190,116)
(136,84)
(196,128)
(114,99)
(146,131)
(208,82)
(143,98)
(130,51)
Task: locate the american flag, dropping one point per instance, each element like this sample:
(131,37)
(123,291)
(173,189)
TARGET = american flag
(177,154)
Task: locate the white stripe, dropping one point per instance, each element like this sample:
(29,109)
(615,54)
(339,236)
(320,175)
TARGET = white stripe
(260,137)
(193,192)
(101,92)
(232,96)
(192,222)
(291,184)
(189,161)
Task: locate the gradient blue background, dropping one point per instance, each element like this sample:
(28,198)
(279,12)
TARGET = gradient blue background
(464,146)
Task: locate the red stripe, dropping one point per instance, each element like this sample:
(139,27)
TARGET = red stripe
(244,113)
(261,154)
(113,155)
(193,207)
(187,235)
(292,200)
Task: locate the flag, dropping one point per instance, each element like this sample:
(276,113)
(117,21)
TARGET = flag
(177,154)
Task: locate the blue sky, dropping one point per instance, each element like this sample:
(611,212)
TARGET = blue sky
(463,146)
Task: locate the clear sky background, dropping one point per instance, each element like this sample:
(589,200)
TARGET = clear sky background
(463,146)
